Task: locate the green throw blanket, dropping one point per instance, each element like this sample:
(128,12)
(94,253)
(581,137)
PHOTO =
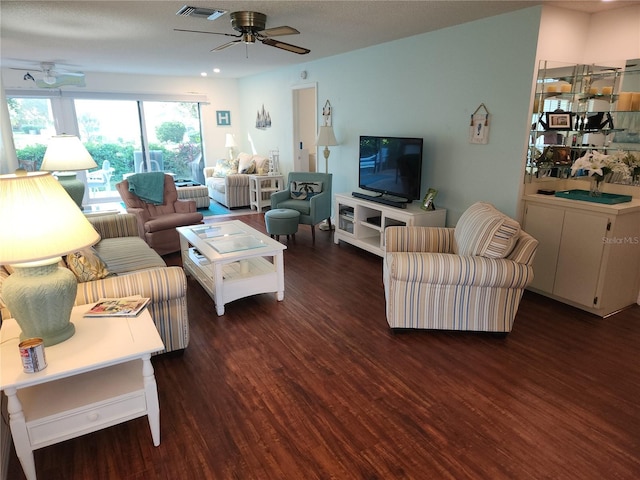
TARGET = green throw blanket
(148,187)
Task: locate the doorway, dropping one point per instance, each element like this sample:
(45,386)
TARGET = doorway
(305,126)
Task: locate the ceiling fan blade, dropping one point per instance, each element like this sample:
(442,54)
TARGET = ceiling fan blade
(210,33)
(285,46)
(278,31)
(226,45)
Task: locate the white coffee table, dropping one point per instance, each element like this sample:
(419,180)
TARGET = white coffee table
(100,377)
(231,260)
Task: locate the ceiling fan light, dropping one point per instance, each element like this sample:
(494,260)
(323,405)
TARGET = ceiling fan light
(49,79)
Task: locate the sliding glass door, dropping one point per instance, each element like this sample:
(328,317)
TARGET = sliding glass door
(123,136)
(32,125)
(110,129)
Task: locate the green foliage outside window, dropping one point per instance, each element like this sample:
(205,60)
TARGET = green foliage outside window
(171,132)
(177,160)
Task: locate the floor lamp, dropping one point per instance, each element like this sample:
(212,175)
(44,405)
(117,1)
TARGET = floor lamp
(66,155)
(42,224)
(328,139)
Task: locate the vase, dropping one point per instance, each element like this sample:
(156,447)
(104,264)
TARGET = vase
(594,188)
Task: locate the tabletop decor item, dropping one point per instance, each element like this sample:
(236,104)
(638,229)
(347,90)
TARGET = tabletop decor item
(42,224)
(599,167)
(66,155)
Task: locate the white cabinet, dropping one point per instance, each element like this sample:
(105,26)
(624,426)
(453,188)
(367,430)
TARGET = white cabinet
(362,222)
(588,254)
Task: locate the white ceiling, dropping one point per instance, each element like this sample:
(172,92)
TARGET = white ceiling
(137,36)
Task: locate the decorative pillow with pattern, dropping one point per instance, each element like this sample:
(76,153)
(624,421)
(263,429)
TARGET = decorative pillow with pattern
(86,265)
(225,167)
(485,231)
(304,190)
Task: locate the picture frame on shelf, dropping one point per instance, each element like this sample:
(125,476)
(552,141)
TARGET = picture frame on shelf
(559,121)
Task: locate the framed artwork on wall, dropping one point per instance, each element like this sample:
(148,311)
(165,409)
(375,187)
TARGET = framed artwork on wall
(223,118)
(559,121)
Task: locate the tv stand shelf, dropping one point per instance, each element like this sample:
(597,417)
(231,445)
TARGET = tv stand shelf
(362,222)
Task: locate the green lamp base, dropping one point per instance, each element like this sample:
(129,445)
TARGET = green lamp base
(73,186)
(40,297)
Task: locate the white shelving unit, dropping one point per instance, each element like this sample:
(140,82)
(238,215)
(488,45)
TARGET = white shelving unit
(261,187)
(362,222)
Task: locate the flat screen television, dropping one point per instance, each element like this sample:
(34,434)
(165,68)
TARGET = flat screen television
(391,166)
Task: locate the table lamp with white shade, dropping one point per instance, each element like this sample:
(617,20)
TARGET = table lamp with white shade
(327,139)
(41,223)
(230,143)
(65,155)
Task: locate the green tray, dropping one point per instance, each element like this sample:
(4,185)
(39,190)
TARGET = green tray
(585,196)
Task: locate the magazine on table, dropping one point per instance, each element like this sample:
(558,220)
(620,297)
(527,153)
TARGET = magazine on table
(118,307)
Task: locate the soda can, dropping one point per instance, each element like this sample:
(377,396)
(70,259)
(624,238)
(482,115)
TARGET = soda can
(32,354)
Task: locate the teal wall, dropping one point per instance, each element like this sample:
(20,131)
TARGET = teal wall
(427,86)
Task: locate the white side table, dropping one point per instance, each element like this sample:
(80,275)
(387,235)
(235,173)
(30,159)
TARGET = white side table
(263,184)
(100,377)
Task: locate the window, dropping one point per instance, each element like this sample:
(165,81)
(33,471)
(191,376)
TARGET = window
(173,133)
(122,136)
(32,125)
(110,129)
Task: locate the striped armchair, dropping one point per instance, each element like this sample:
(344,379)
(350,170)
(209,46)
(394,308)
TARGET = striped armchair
(471,277)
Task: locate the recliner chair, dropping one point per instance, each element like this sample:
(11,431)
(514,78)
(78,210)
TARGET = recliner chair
(314,209)
(157,223)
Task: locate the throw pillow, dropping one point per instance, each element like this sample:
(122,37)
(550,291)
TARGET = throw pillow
(250,169)
(244,161)
(482,230)
(262,164)
(304,190)
(86,265)
(225,167)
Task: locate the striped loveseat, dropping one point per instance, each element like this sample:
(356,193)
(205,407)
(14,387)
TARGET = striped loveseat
(470,277)
(138,270)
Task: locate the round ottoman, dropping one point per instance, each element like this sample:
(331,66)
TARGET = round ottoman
(282,221)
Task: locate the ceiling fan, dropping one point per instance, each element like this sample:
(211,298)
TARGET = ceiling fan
(53,77)
(251,27)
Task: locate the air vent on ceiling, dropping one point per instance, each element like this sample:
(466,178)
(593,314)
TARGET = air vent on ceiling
(200,12)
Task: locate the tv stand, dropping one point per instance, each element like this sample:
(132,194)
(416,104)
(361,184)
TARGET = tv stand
(397,202)
(362,222)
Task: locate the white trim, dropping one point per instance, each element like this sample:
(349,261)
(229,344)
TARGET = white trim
(156,97)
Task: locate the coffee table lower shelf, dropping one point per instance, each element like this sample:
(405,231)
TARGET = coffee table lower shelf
(239,279)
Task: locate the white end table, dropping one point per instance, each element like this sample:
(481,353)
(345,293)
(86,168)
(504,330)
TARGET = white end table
(100,377)
(261,184)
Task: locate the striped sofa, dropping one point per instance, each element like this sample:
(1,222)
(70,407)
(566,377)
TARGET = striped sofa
(139,270)
(470,277)
(228,181)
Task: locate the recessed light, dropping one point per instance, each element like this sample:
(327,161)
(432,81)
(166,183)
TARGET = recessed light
(216,70)
(203,74)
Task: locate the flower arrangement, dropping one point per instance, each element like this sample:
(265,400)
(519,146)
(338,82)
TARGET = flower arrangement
(632,161)
(599,166)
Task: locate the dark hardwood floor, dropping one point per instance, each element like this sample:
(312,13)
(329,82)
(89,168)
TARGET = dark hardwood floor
(318,387)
